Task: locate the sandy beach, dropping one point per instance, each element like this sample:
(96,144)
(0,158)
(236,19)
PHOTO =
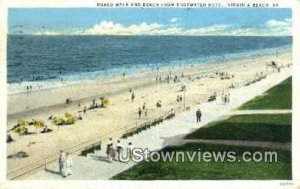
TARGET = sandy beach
(201,82)
(95,166)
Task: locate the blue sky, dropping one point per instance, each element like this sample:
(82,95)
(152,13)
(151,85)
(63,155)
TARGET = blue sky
(125,21)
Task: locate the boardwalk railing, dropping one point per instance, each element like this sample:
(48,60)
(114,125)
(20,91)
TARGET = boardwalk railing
(78,148)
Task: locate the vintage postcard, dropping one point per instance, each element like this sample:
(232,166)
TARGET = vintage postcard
(104,92)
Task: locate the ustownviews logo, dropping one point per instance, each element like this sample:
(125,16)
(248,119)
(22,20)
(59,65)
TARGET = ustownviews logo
(139,155)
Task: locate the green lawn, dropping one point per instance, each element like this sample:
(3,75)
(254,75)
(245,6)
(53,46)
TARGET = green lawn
(278,97)
(280,170)
(274,127)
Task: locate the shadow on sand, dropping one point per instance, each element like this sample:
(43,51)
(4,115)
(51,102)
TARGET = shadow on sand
(52,171)
(100,158)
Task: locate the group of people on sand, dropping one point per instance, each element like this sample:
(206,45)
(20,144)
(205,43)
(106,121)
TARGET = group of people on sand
(92,106)
(114,152)
(225,98)
(158,78)
(179,98)
(28,88)
(168,78)
(224,75)
(141,110)
(65,164)
(38,79)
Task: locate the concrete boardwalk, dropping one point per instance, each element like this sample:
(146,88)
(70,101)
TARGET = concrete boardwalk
(95,166)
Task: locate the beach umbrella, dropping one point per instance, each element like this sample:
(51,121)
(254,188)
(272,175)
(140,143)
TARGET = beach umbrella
(21,127)
(21,130)
(23,123)
(58,121)
(106,102)
(70,118)
(37,123)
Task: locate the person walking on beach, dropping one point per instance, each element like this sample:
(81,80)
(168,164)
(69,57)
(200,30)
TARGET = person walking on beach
(140,113)
(111,152)
(107,151)
(64,165)
(228,98)
(130,150)
(111,141)
(84,110)
(61,159)
(69,165)
(132,96)
(222,97)
(198,115)
(144,106)
(119,149)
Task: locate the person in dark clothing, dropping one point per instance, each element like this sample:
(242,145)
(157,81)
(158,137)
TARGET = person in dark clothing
(144,106)
(9,138)
(107,151)
(198,115)
(132,96)
(140,113)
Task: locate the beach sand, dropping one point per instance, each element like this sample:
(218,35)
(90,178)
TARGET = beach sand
(122,112)
(95,166)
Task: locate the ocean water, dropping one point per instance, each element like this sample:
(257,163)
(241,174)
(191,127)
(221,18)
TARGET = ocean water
(37,59)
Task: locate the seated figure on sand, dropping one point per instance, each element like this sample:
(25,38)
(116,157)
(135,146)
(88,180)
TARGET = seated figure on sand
(158,104)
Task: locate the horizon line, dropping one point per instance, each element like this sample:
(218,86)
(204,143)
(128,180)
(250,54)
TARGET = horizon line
(155,35)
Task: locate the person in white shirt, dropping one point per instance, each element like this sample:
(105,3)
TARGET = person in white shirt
(68,164)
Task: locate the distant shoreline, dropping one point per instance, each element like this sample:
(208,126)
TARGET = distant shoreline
(77,79)
(148,35)
(60,93)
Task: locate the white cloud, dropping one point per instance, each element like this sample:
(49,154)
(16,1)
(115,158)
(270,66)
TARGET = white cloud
(280,27)
(270,28)
(47,33)
(218,29)
(277,23)
(173,20)
(111,28)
